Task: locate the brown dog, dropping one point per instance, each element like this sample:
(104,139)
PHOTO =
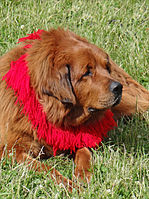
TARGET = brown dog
(76,82)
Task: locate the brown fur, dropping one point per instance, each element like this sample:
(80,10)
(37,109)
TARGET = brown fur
(65,101)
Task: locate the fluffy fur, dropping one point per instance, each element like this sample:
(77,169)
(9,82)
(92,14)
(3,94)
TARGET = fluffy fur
(75,82)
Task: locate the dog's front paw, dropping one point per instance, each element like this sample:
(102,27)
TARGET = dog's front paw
(83,170)
(83,175)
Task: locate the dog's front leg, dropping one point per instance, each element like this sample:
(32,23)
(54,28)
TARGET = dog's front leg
(83,161)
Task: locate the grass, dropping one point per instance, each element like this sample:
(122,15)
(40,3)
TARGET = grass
(121,166)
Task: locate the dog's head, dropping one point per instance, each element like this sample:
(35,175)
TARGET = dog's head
(72,78)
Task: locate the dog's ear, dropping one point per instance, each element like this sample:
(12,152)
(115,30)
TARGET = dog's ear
(60,87)
(48,70)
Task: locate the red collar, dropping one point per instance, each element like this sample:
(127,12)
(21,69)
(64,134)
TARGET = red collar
(18,80)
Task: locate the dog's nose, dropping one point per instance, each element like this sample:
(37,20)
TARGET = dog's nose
(116,88)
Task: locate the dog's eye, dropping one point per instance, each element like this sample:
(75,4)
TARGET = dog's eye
(88,73)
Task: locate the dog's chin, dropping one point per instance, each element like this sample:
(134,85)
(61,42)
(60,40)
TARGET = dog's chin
(77,117)
(75,122)
(84,120)
(96,116)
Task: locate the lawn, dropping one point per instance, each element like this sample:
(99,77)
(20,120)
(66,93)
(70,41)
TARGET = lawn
(121,165)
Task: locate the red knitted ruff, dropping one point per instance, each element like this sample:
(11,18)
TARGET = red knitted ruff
(18,80)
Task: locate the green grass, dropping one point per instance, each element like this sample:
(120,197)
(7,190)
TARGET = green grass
(121,166)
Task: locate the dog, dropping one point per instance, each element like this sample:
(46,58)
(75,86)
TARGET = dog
(75,82)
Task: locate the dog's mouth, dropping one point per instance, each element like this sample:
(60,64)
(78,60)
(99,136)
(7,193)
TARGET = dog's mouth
(117,100)
(97,114)
(78,116)
(106,106)
(114,101)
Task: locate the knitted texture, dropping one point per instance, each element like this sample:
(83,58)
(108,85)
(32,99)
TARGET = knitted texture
(18,80)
